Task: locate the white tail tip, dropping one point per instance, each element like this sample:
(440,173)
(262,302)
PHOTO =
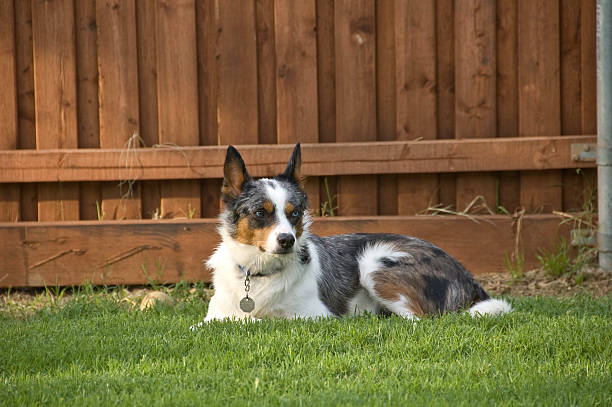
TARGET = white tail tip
(491,306)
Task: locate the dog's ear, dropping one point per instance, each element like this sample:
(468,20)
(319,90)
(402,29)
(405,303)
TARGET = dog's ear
(235,175)
(294,167)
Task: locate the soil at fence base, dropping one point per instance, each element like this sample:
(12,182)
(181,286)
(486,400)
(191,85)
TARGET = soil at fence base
(596,282)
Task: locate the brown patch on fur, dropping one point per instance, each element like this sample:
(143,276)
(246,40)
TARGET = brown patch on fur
(268,206)
(390,287)
(254,237)
(299,227)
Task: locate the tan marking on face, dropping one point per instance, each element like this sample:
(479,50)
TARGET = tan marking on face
(390,287)
(299,227)
(268,206)
(288,209)
(253,237)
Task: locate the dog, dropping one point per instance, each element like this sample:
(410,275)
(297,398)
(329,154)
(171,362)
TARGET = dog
(269,264)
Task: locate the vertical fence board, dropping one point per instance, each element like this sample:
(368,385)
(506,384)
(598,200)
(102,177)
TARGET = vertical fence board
(87,73)
(588,87)
(87,99)
(415,38)
(445,67)
(25,77)
(589,74)
(571,107)
(539,93)
(25,100)
(355,61)
(475,97)
(146,23)
(326,90)
(206,26)
(9,194)
(296,72)
(237,71)
(266,70)
(178,98)
(118,84)
(385,98)
(507,96)
(55,99)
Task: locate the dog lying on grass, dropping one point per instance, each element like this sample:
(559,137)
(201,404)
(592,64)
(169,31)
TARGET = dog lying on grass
(270,265)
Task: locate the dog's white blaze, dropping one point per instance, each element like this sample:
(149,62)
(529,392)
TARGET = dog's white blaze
(278,196)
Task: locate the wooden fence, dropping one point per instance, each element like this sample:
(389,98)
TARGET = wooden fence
(121,109)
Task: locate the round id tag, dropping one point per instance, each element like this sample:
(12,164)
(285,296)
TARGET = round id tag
(247,304)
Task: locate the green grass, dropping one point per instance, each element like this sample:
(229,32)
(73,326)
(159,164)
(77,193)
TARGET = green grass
(96,351)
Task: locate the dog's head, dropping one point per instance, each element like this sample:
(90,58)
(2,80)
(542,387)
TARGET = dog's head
(269,214)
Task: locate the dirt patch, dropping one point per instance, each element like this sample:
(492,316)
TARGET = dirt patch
(593,281)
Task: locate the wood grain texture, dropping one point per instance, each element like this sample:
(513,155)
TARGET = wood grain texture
(8,79)
(206,26)
(118,95)
(589,65)
(267,69)
(296,72)
(445,68)
(87,74)
(25,75)
(25,99)
(173,251)
(385,98)
(326,90)
(507,94)
(13,271)
(571,94)
(355,62)
(9,194)
(53,29)
(475,90)
(237,109)
(382,157)
(146,22)
(539,95)
(177,95)
(88,121)
(415,39)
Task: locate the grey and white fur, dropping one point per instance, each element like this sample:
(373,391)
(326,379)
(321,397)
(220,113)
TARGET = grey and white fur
(294,273)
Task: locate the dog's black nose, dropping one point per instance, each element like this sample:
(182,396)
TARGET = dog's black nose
(286,240)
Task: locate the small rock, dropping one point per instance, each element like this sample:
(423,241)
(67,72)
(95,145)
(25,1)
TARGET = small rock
(155,297)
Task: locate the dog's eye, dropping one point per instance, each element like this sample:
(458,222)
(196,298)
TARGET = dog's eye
(295,213)
(259,213)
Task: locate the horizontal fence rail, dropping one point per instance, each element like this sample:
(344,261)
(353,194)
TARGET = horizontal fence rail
(71,253)
(401,157)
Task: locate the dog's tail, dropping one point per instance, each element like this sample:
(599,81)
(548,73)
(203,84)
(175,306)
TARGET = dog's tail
(491,306)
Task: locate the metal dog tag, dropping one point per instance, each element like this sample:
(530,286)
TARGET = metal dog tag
(247,304)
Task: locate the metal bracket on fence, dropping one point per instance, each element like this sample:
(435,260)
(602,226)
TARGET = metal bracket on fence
(583,151)
(583,237)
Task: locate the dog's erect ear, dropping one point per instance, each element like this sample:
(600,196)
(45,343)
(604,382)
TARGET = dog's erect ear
(235,175)
(294,167)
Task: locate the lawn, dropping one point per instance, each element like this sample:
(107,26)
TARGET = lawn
(96,350)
